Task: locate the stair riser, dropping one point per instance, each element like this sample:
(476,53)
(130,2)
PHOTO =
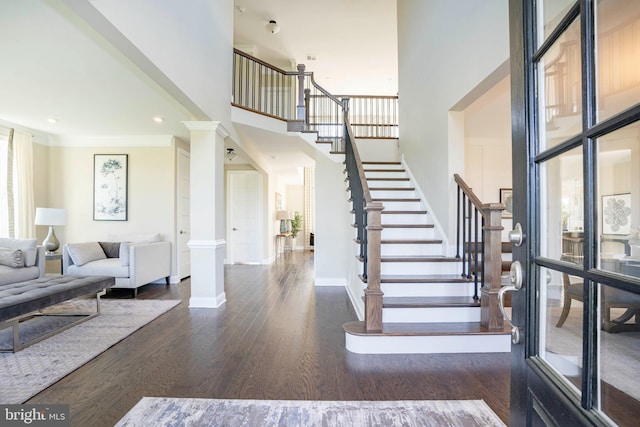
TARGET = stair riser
(428,344)
(396,194)
(411,249)
(431,315)
(423,268)
(406,219)
(402,206)
(392,174)
(389,184)
(427,289)
(407,233)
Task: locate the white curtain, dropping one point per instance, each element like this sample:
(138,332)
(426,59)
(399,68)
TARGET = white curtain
(23,185)
(4,201)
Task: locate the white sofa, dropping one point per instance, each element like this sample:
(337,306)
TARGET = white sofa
(12,270)
(133,263)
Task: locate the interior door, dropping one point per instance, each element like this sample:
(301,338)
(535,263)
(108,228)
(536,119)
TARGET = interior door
(576,178)
(244,229)
(184,215)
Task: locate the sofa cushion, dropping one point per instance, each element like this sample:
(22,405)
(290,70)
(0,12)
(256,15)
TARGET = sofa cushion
(101,267)
(82,253)
(11,257)
(111,249)
(29,248)
(15,275)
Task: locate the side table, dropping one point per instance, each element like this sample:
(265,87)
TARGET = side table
(54,257)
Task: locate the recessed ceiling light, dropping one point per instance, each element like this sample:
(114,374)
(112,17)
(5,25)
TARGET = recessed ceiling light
(52,120)
(158,119)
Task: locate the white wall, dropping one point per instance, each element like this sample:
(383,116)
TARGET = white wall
(151,191)
(189,41)
(445,49)
(334,246)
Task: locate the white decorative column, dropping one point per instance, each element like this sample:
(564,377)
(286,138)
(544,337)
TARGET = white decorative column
(207,242)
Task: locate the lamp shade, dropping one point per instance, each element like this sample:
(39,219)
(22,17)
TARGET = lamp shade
(280,215)
(50,216)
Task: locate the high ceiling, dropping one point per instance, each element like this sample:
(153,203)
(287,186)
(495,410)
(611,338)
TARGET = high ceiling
(56,67)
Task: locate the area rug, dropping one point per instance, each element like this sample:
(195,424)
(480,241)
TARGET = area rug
(27,372)
(156,411)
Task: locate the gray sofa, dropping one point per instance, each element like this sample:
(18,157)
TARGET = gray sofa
(133,263)
(12,270)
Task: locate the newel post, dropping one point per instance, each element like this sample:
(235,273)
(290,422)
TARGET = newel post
(490,316)
(300,110)
(373,294)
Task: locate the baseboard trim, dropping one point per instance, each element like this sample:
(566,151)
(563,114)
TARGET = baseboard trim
(196,302)
(330,281)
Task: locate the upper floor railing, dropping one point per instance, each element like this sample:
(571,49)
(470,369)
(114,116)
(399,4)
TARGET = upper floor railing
(295,95)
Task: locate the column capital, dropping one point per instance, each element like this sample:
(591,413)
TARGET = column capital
(207,125)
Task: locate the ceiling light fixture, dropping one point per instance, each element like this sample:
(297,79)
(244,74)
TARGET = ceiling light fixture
(52,120)
(272,27)
(158,119)
(231,154)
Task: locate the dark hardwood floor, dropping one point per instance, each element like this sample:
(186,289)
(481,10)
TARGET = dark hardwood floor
(276,337)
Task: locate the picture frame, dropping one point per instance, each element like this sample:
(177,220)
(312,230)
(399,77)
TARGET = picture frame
(506,198)
(110,187)
(279,203)
(615,212)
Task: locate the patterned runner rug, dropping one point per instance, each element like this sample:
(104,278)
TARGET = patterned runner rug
(156,411)
(27,372)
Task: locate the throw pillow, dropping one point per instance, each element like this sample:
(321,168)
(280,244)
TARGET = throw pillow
(111,249)
(29,248)
(11,257)
(82,253)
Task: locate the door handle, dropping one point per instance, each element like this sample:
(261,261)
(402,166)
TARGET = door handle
(515,274)
(234,229)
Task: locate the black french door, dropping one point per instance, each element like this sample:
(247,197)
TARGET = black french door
(575,76)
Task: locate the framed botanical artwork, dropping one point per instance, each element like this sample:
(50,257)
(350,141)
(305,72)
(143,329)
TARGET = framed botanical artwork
(616,214)
(110,187)
(506,198)
(279,206)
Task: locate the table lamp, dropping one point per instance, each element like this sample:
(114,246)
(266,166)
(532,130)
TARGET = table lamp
(51,217)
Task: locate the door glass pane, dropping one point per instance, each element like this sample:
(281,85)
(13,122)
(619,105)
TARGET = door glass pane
(560,89)
(562,212)
(619,355)
(618,55)
(618,186)
(561,324)
(550,13)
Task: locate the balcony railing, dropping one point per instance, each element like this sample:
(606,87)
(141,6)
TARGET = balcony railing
(295,95)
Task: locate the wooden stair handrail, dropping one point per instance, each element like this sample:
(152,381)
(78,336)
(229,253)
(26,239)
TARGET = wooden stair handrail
(490,315)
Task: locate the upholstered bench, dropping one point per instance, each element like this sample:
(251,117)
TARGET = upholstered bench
(23,300)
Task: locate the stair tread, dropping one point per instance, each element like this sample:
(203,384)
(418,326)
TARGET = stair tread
(388,179)
(424,329)
(384,170)
(419,212)
(381,163)
(423,278)
(419,258)
(429,302)
(392,189)
(407,226)
(391,199)
(411,242)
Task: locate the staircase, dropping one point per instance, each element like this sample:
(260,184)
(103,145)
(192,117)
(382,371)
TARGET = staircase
(428,306)
(416,298)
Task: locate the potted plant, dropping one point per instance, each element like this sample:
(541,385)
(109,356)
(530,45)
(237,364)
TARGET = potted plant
(296,224)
